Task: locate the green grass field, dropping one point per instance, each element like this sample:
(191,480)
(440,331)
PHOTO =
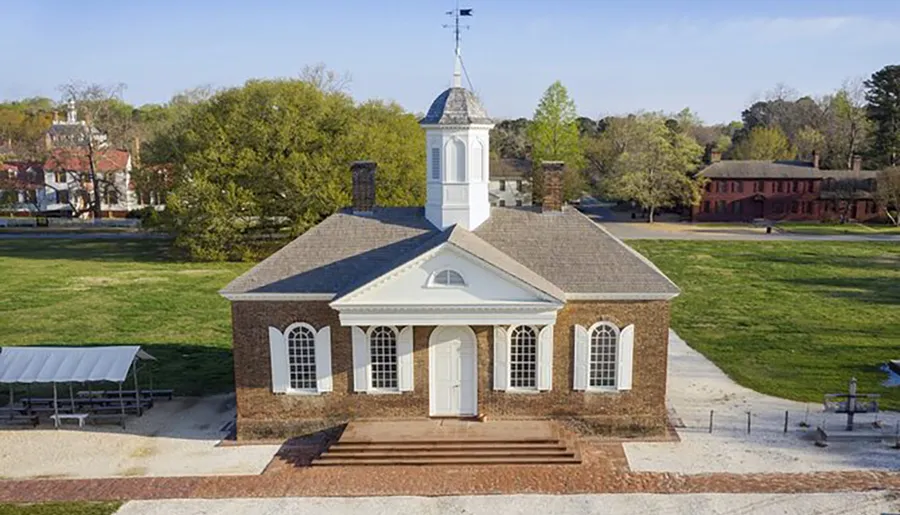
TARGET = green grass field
(61,508)
(75,291)
(791,319)
(831,229)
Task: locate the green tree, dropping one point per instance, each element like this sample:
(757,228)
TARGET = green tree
(883,96)
(274,156)
(656,165)
(848,128)
(553,134)
(809,140)
(764,143)
(888,193)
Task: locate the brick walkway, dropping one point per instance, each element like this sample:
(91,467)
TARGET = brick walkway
(604,470)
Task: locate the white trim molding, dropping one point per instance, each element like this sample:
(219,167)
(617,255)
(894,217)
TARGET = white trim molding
(538,313)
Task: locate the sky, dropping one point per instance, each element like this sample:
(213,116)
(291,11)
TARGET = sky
(614,56)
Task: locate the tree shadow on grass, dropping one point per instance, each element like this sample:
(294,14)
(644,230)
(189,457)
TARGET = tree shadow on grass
(90,250)
(872,290)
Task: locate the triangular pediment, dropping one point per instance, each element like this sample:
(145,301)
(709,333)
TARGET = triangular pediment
(413,284)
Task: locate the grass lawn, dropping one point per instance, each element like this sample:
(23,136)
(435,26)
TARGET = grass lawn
(829,229)
(791,319)
(79,291)
(61,508)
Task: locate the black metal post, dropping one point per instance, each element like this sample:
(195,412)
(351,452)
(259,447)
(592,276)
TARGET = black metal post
(137,390)
(55,408)
(851,404)
(710,421)
(785,421)
(122,403)
(748,422)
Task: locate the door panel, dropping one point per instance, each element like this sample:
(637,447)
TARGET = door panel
(453,372)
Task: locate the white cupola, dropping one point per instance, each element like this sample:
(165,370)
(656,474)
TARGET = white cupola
(457,145)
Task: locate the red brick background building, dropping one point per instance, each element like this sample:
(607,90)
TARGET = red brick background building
(742,191)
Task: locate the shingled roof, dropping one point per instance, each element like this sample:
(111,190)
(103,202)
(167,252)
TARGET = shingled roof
(561,253)
(456,106)
(777,170)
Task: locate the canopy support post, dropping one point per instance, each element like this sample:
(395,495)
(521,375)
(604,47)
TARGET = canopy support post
(137,390)
(55,407)
(71,398)
(122,403)
(12,400)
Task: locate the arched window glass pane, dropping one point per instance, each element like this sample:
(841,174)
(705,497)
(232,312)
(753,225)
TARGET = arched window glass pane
(523,358)
(301,345)
(604,342)
(448,278)
(383,355)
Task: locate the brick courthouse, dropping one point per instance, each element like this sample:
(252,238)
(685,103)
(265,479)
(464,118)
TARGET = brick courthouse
(454,309)
(742,191)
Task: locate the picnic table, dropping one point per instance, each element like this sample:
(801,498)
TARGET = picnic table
(33,405)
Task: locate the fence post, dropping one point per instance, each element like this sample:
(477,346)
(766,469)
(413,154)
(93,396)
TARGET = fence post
(748,422)
(710,421)
(785,421)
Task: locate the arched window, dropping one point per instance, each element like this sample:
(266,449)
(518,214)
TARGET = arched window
(459,161)
(301,349)
(604,342)
(447,278)
(523,358)
(383,358)
(477,161)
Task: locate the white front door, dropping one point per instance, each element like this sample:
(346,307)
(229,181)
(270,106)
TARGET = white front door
(453,366)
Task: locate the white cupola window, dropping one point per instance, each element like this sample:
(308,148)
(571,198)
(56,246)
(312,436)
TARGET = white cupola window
(445,278)
(459,161)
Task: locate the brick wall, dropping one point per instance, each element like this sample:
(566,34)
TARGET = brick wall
(262,413)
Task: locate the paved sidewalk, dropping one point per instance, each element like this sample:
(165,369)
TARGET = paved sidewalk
(692,504)
(438,481)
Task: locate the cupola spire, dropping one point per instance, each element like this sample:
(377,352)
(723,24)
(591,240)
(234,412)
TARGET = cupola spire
(457,56)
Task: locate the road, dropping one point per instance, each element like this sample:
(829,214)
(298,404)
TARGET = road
(639,230)
(689,504)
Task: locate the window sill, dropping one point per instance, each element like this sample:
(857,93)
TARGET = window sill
(303,393)
(597,390)
(524,391)
(382,392)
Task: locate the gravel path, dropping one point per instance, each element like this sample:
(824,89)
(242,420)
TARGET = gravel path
(689,504)
(697,386)
(174,438)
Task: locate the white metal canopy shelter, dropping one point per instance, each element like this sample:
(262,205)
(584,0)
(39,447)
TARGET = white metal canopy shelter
(29,365)
(68,364)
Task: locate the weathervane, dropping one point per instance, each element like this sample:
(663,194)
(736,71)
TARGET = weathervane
(457,13)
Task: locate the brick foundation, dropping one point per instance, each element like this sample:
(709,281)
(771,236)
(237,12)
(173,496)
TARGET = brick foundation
(262,414)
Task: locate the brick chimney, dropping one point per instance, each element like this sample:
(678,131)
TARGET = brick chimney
(857,163)
(552,176)
(363,185)
(815,159)
(714,156)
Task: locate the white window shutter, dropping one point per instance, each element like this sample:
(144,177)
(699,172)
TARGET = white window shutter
(278,357)
(626,358)
(545,358)
(501,358)
(360,360)
(323,359)
(582,358)
(405,359)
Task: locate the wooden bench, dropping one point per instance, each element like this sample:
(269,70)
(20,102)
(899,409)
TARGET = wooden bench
(80,417)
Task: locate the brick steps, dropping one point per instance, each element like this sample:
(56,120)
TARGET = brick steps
(449,452)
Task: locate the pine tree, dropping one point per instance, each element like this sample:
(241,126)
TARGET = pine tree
(883,95)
